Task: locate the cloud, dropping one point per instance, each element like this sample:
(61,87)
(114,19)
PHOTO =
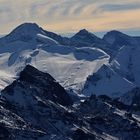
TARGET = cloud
(71,15)
(120,7)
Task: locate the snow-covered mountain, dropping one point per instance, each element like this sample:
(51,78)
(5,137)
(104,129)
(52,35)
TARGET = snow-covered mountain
(29,33)
(80,63)
(41,74)
(29,44)
(118,39)
(85,38)
(122,73)
(106,82)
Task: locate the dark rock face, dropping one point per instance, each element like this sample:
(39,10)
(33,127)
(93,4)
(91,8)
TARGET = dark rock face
(36,107)
(4,133)
(32,106)
(105,117)
(81,135)
(40,84)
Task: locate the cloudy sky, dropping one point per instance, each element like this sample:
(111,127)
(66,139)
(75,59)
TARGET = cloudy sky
(65,16)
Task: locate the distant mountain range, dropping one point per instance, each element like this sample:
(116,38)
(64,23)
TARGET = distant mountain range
(69,88)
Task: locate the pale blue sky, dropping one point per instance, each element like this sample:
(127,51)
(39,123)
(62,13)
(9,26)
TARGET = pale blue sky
(67,16)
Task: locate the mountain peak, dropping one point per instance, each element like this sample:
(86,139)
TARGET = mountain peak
(117,38)
(30,68)
(115,33)
(28,26)
(85,38)
(83,31)
(34,83)
(30,73)
(85,34)
(24,32)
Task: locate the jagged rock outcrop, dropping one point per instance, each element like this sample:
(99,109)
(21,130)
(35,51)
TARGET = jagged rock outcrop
(34,83)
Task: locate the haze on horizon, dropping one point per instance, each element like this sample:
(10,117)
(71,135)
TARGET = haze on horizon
(64,16)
